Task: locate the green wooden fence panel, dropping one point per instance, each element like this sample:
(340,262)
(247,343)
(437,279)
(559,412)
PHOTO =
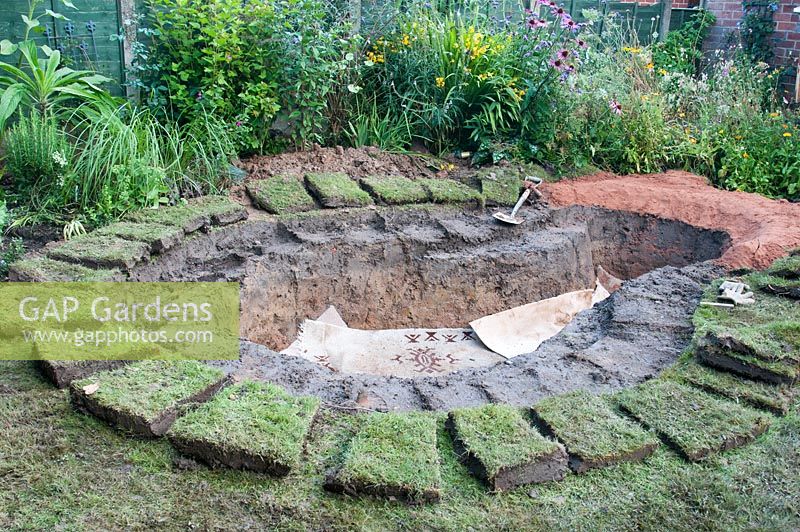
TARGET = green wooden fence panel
(98,50)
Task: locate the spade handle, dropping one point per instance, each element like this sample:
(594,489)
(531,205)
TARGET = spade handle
(520,202)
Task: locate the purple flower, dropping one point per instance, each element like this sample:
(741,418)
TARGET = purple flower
(615,107)
(239,123)
(570,24)
(199,96)
(581,43)
(534,23)
(563,53)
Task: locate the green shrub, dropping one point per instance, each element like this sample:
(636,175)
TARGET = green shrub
(248,62)
(39,159)
(682,49)
(463,79)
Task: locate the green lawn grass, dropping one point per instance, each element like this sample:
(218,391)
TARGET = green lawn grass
(499,436)
(43,269)
(157,237)
(772,397)
(337,190)
(100,251)
(395,190)
(256,419)
(393,454)
(591,431)
(281,195)
(693,421)
(60,468)
(787,267)
(449,191)
(500,187)
(148,388)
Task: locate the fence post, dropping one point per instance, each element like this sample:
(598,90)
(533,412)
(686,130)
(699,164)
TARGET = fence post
(666,16)
(126,11)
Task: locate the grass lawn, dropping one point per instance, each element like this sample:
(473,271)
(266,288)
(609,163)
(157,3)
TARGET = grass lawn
(63,469)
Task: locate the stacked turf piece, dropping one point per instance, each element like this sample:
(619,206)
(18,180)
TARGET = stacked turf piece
(499,446)
(760,341)
(782,278)
(158,238)
(449,191)
(41,269)
(592,433)
(693,422)
(62,372)
(395,190)
(120,246)
(146,397)
(501,186)
(281,195)
(249,425)
(101,251)
(337,190)
(391,455)
(770,397)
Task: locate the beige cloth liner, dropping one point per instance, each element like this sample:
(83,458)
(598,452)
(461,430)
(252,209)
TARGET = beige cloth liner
(522,329)
(328,340)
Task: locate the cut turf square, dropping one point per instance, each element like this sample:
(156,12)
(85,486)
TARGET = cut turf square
(158,237)
(42,269)
(337,190)
(695,423)
(62,372)
(249,425)
(786,267)
(449,191)
(592,433)
(774,285)
(395,190)
(99,251)
(187,217)
(146,397)
(221,210)
(761,340)
(499,446)
(392,455)
(281,195)
(501,188)
(774,398)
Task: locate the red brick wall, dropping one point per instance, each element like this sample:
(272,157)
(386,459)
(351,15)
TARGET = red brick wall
(786,39)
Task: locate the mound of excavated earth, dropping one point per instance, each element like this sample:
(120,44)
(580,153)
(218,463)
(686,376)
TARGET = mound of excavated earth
(761,229)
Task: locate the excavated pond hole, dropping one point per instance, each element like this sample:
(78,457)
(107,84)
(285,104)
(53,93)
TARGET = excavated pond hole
(437,268)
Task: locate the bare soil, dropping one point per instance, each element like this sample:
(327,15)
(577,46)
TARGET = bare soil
(761,229)
(355,162)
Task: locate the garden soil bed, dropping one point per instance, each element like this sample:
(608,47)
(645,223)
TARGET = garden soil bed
(761,229)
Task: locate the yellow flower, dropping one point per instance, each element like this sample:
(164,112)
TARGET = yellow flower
(406,40)
(787,134)
(375,57)
(774,115)
(650,66)
(738,137)
(521,93)
(662,71)
(440,82)
(721,131)
(745,155)
(692,140)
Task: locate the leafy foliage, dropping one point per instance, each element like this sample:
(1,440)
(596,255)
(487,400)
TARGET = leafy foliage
(682,49)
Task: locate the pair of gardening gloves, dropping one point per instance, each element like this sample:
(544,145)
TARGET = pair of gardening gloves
(736,293)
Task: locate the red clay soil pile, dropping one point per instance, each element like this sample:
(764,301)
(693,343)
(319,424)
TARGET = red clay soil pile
(761,229)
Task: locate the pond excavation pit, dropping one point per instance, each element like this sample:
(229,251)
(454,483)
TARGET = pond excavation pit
(427,267)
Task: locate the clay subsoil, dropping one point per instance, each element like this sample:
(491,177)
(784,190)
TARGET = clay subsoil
(761,229)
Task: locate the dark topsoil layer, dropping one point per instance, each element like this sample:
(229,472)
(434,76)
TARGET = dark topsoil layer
(368,262)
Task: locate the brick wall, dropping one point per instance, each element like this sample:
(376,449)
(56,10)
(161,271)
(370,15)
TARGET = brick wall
(786,39)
